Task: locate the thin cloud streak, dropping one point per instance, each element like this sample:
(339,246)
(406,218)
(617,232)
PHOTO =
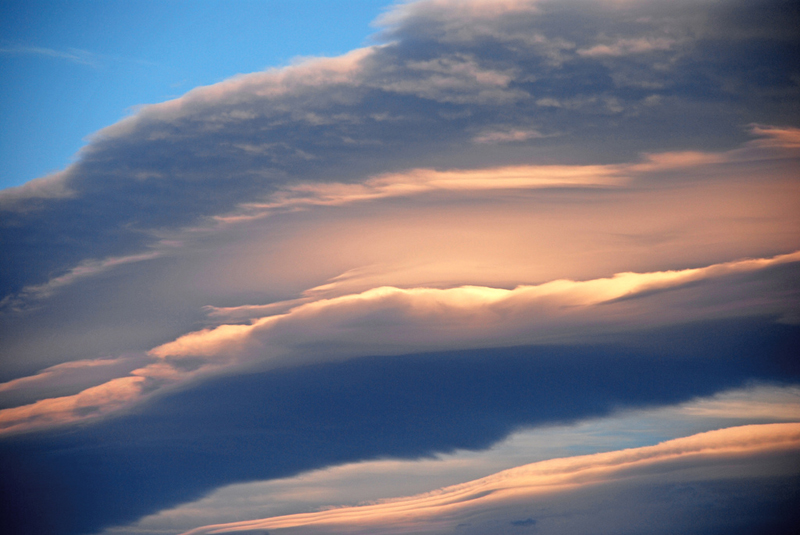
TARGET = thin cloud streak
(464,315)
(441,510)
(74,375)
(73,55)
(86,269)
(773,143)
(422,181)
(437,81)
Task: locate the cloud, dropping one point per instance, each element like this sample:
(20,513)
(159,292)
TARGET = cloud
(291,420)
(367,481)
(455,79)
(771,403)
(392,321)
(447,74)
(69,376)
(505,136)
(423,181)
(773,143)
(775,137)
(624,47)
(91,402)
(380,320)
(87,268)
(706,455)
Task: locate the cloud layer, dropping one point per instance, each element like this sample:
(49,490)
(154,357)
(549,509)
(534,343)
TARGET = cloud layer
(436,83)
(478,505)
(369,481)
(394,321)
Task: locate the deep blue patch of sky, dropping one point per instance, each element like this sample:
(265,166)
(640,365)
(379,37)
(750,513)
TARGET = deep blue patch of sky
(71,68)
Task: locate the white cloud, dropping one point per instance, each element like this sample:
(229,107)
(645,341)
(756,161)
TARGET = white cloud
(505,136)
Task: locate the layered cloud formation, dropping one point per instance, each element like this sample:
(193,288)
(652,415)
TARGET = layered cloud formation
(478,506)
(390,320)
(612,183)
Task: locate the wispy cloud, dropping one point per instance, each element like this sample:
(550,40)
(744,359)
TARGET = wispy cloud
(624,47)
(507,136)
(72,376)
(508,494)
(74,55)
(88,268)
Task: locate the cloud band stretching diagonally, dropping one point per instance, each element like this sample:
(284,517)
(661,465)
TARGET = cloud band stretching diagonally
(441,79)
(465,315)
(519,488)
(773,144)
(387,320)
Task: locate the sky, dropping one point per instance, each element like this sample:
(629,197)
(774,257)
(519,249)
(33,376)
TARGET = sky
(437,266)
(72,68)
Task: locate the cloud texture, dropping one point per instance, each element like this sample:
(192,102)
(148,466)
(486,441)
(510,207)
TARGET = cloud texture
(476,506)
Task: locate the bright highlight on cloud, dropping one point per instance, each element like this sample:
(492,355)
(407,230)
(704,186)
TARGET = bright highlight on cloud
(422,181)
(476,504)
(459,317)
(390,320)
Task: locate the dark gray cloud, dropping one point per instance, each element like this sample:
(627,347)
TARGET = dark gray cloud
(270,425)
(614,79)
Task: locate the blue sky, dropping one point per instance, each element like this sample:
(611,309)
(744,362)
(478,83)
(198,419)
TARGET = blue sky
(71,68)
(519,266)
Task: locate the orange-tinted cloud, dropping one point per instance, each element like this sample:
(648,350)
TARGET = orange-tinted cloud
(395,320)
(714,454)
(390,321)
